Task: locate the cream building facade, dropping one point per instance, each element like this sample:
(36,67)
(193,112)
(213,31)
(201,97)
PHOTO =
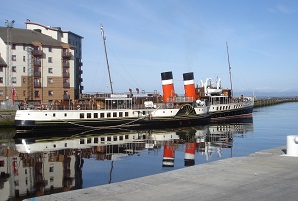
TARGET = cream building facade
(68,37)
(38,68)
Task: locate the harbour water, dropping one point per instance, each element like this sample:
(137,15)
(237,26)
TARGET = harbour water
(35,166)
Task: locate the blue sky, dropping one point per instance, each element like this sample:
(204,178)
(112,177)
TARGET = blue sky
(147,37)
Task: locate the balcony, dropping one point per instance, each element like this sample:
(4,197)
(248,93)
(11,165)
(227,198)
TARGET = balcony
(65,75)
(37,63)
(37,74)
(65,64)
(66,55)
(66,85)
(66,97)
(37,53)
(37,85)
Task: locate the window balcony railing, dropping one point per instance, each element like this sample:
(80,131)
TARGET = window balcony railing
(37,53)
(66,97)
(66,55)
(65,74)
(37,74)
(37,63)
(37,85)
(66,85)
(65,64)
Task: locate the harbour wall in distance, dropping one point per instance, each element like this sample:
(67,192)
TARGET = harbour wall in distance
(7,116)
(263,102)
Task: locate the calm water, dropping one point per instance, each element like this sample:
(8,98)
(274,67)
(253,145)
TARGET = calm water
(32,167)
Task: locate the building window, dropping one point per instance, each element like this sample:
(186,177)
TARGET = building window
(95,140)
(50,80)
(1,79)
(1,68)
(82,115)
(13,57)
(1,93)
(51,169)
(66,83)
(14,69)
(50,49)
(24,58)
(36,94)
(50,70)
(24,93)
(37,82)
(14,80)
(24,80)
(51,93)
(50,60)
(13,46)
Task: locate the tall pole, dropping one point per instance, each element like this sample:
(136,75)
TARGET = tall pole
(104,43)
(8,73)
(229,69)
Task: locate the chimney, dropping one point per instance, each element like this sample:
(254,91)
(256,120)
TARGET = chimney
(167,86)
(189,86)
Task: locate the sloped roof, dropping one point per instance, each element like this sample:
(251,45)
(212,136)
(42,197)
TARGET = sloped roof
(25,36)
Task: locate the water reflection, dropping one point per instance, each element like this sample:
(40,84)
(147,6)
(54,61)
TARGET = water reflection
(35,166)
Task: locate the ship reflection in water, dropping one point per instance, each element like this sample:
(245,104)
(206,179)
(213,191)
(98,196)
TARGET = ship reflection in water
(35,166)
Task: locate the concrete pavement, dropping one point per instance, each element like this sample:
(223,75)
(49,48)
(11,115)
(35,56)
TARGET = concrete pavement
(265,175)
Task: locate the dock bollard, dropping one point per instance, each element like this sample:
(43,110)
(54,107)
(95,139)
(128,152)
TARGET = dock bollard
(292,145)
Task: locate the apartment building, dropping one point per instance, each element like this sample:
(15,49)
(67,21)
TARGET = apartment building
(66,37)
(36,67)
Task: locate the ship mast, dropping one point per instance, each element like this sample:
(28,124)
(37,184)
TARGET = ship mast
(104,43)
(229,69)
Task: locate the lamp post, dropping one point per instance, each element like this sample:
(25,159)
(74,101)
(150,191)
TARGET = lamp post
(8,71)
